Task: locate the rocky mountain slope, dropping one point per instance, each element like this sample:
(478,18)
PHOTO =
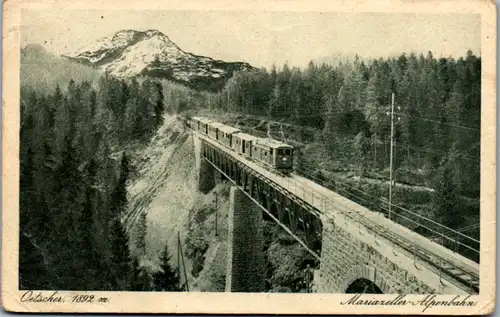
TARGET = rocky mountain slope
(129,53)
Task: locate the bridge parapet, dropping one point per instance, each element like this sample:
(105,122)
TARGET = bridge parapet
(402,254)
(351,252)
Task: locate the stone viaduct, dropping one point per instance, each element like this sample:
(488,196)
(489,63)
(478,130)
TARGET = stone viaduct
(349,251)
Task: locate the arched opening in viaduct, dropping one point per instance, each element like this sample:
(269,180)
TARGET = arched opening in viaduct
(273,209)
(363,286)
(223,178)
(364,279)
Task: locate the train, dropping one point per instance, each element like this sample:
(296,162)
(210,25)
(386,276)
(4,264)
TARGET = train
(272,154)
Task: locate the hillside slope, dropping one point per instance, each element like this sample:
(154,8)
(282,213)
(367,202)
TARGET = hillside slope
(43,71)
(166,188)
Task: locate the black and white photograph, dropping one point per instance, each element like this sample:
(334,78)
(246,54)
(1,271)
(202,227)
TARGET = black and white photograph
(164,152)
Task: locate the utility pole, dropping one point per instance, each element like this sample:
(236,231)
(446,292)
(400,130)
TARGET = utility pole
(282,133)
(216,207)
(390,164)
(178,254)
(183,264)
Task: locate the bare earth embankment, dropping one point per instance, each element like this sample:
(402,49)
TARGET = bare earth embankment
(165,186)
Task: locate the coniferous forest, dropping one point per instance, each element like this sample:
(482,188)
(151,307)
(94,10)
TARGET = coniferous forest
(437,108)
(75,135)
(74,172)
(338,117)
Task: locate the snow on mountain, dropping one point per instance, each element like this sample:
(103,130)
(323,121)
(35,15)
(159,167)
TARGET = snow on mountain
(128,53)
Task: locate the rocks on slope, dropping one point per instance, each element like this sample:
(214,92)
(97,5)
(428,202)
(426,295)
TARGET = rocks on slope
(129,53)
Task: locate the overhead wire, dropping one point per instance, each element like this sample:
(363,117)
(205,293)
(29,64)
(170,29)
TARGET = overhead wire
(460,155)
(467,157)
(440,122)
(403,209)
(340,111)
(351,214)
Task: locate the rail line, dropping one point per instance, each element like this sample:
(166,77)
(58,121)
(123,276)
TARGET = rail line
(466,277)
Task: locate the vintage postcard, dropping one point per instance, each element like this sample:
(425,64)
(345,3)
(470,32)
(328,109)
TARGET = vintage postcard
(323,157)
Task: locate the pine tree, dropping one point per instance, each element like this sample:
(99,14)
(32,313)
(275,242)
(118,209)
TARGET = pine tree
(120,256)
(360,151)
(156,62)
(86,257)
(372,108)
(274,102)
(133,120)
(70,194)
(167,279)
(147,110)
(159,105)
(27,191)
(330,130)
(119,194)
(141,280)
(142,227)
(445,199)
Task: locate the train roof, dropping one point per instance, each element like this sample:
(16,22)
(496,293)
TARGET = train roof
(270,143)
(246,137)
(205,120)
(228,129)
(215,124)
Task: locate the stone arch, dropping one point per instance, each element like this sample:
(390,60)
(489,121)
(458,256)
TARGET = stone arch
(364,286)
(368,273)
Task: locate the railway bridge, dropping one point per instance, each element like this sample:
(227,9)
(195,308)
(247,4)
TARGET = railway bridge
(352,243)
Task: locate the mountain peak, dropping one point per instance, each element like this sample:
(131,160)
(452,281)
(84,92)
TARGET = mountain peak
(132,33)
(155,33)
(129,53)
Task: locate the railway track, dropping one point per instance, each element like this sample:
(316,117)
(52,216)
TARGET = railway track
(467,278)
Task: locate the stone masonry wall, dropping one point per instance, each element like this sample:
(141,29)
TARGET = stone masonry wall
(246,262)
(345,257)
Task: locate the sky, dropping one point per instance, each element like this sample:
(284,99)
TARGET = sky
(264,38)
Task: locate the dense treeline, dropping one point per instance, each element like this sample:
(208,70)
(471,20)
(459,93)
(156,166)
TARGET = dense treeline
(436,118)
(74,167)
(73,177)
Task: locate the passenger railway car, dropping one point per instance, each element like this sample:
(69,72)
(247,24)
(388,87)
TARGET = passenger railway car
(213,130)
(226,135)
(271,153)
(194,123)
(200,124)
(242,143)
